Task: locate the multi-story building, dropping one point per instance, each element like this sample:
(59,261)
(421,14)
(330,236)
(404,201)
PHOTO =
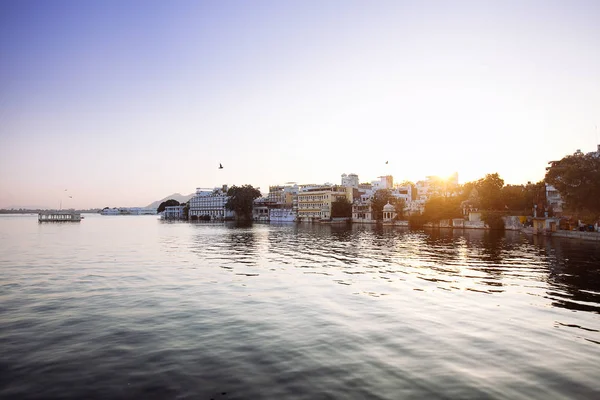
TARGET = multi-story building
(314,201)
(553,199)
(210,204)
(173,212)
(362,211)
(350,180)
(383,182)
(282,203)
(260,209)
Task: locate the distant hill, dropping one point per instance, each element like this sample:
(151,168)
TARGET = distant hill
(175,196)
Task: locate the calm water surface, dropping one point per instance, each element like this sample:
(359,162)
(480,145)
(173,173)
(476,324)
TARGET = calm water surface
(131,307)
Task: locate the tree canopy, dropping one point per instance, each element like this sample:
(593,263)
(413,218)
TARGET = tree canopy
(441,207)
(341,208)
(241,199)
(577,179)
(167,203)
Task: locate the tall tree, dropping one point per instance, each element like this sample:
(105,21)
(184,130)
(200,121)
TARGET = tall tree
(241,199)
(341,208)
(441,207)
(577,179)
(490,190)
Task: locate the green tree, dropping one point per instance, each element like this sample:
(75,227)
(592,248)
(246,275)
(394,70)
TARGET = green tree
(441,207)
(490,191)
(167,203)
(186,210)
(577,179)
(381,198)
(241,199)
(341,208)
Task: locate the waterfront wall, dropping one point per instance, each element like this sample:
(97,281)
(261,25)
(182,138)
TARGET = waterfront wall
(593,236)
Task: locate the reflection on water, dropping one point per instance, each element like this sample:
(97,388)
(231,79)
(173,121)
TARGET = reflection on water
(135,308)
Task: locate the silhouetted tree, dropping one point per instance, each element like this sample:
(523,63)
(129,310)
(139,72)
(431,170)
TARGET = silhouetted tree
(341,208)
(241,199)
(577,179)
(441,207)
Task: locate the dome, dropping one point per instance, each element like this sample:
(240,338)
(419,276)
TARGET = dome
(388,208)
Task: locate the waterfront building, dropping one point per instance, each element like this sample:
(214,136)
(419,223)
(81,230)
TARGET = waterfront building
(208,203)
(389,213)
(129,211)
(314,201)
(260,209)
(362,211)
(280,205)
(173,212)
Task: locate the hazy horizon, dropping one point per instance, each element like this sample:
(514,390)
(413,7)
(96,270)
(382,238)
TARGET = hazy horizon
(123,103)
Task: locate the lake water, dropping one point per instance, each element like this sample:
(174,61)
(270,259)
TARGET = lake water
(132,307)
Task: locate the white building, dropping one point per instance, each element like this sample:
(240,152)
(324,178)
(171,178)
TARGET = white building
(280,205)
(210,204)
(129,211)
(553,199)
(383,182)
(362,211)
(350,180)
(173,212)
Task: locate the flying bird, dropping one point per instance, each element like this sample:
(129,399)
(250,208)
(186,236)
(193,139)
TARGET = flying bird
(220,166)
(70,197)
(386,162)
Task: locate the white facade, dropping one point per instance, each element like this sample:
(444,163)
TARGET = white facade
(553,199)
(362,211)
(383,182)
(173,212)
(282,215)
(210,203)
(129,211)
(350,180)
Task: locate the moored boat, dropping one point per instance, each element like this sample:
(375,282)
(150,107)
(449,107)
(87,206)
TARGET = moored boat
(59,216)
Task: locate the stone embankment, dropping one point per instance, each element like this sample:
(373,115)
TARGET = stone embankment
(594,236)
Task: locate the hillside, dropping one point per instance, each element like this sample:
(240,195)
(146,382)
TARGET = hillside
(175,196)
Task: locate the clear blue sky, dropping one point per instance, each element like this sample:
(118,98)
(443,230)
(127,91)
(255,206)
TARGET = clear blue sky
(124,102)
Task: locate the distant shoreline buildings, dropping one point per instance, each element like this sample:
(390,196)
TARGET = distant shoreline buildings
(313,202)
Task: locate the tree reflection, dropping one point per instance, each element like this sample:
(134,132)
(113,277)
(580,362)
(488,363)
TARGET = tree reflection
(574,274)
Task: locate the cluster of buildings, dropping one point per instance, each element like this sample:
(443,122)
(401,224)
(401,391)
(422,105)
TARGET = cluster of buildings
(128,211)
(313,202)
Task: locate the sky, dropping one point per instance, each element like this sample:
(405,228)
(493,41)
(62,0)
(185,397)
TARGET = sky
(120,103)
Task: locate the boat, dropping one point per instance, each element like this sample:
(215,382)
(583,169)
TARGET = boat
(59,216)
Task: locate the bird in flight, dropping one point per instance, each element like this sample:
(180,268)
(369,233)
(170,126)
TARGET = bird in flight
(220,166)
(386,162)
(70,197)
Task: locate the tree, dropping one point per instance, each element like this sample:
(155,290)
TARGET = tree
(341,208)
(441,207)
(168,203)
(577,179)
(490,190)
(186,210)
(381,198)
(241,199)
